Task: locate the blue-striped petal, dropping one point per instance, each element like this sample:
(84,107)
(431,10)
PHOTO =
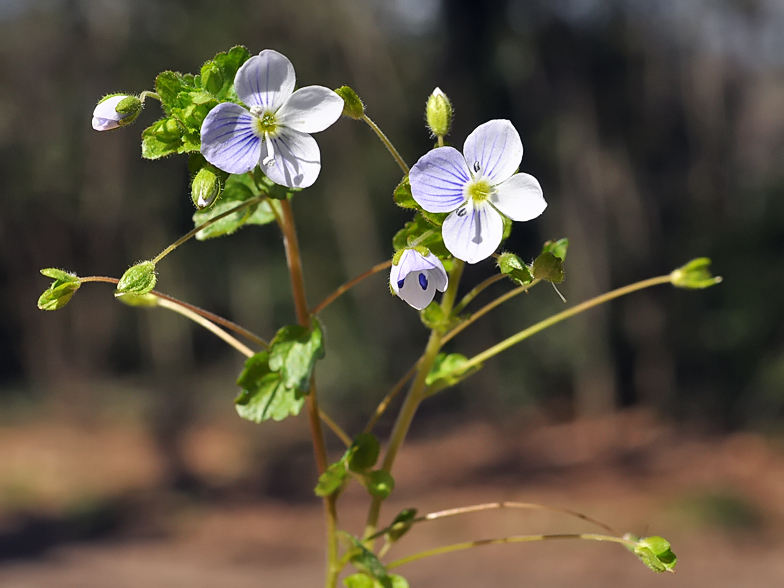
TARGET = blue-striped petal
(228,139)
(520,198)
(415,278)
(438,180)
(494,150)
(265,80)
(296,159)
(473,232)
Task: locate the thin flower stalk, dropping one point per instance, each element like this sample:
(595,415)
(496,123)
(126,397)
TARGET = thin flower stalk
(380,267)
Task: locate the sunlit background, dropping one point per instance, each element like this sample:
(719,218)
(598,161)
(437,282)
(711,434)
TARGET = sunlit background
(656,128)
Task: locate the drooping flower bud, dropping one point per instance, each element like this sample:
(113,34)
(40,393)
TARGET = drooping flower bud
(438,113)
(116,111)
(352,103)
(205,188)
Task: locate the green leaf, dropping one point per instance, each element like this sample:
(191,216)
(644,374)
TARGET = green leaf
(333,478)
(60,291)
(359,580)
(557,248)
(548,267)
(264,396)
(139,279)
(229,62)
(366,561)
(424,233)
(695,275)
(364,456)
(403,197)
(401,524)
(380,483)
(294,352)
(655,552)
(434,218)
(447,371)
(164,137)
(169,85)
(514,268)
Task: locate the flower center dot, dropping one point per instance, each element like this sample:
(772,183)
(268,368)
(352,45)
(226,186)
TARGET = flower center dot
(423,281)
(264,123)
(480,190)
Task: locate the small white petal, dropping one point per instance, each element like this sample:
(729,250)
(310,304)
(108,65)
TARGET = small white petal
(265,80)
(473,232)
(228,139)
(438,180)
(104,124)
(105,117)
(412,261)
(310,110)
(413,292)
(520,198)
(496,147)
(297,159)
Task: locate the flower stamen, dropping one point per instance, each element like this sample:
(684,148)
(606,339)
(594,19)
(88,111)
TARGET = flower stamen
(269,161)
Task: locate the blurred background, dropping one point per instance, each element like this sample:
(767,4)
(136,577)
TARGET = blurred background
(656,128)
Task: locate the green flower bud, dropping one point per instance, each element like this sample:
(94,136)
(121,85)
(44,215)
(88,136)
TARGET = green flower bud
(166,130)
(380,483)
(655,552)
(211,77)
(139,279)
(60,291)
(205,188)
(352,104)
(514,268)
(438,113)
(694,275)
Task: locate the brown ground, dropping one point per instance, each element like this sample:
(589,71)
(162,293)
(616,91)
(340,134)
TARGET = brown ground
(720,501)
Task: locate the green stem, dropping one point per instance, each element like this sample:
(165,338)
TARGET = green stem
(212,221)
(557,318)
(384,404)
(387,143)
(294,260)
(476,291)
(501,540)
(415,393)
(348,285)
(148,94)
(336,428)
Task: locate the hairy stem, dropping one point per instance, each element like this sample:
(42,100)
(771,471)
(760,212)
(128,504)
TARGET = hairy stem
(387,143)
(384,404)
(466,300)
(380,267)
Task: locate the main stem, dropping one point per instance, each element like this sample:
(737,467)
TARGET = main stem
(415,393)
(294,260)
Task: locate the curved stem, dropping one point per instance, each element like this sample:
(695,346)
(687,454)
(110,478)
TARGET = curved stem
(387,143)
(148,94)
(415,393)
(336,428)
(384,404)
(501,540)
(487,308)
(192,233)
(348,285)
(557,318)
(476,291)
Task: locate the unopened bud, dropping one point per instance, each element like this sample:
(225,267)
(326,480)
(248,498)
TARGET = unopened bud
(694,275)
(116,111)
(205,188)
(352,104)
(211,77)
(514,268)
(139,279)
(438,113)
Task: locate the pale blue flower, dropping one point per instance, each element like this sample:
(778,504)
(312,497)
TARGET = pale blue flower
(415,278)
(274,132)
(477,187)
(105,115)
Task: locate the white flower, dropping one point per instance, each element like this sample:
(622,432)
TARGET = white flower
(477,187)
(274,133)
(416,278)
(106,117)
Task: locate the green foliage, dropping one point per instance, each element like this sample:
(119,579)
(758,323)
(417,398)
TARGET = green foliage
(548,267)
(352,103)
(380,483)
(364,581)
(366,562)
(557,248)
(432,316)
(294,352)
(60,291)
(139,279)
(655,552)
(447,371)
(238,189)
(420,231)
(401,524)
(334,478)
(695,275)
(514,268)
(264,396)
(186,100)
(403,197)
(139,300)
(364,456)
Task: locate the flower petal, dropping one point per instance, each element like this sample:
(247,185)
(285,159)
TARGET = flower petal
(473,232)
(520,198)
(497,147)
(311,109)
(438,180)
(228,140)
(412,261)
(413,291)
(297,159)
(105,117)
(265,80)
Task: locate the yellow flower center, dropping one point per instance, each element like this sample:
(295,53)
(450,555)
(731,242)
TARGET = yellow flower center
(479,190)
